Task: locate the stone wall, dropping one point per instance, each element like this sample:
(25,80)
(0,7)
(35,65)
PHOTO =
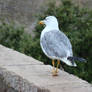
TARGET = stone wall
(21,73)
(24,12)
(10,82)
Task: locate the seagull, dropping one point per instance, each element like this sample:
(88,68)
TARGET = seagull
(56,45)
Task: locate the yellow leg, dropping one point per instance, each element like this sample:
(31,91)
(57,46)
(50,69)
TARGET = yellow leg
(53,71)
(58,63)
(53,63)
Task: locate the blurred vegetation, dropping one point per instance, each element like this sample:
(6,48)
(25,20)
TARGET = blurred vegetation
(75,22)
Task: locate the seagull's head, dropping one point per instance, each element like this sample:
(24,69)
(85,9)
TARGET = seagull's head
(50,21)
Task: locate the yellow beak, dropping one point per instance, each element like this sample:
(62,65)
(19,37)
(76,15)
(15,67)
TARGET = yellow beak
(41,22)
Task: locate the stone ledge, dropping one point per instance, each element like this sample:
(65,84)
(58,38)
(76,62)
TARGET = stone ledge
(11,82)
(21,73)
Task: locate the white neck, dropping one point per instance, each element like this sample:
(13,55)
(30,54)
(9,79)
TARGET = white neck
(49,28)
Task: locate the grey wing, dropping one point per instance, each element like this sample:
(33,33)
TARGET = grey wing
(53,45)
(65,41)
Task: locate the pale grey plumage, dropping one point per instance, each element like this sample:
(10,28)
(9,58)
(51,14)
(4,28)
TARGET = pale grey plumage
(56,44)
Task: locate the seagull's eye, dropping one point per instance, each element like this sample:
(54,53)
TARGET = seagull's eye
(46,19)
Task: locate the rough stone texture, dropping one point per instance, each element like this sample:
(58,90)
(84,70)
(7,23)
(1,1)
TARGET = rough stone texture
(10,82)
(21,73)
(25,11)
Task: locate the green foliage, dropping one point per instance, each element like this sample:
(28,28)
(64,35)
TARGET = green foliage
(10,35)
(14,37)
(75,22)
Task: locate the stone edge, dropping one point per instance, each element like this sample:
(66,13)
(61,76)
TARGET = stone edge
(10,80)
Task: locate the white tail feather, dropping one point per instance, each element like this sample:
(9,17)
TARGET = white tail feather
(68,62)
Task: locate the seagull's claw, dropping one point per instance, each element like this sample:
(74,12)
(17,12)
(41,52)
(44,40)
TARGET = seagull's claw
(55,73)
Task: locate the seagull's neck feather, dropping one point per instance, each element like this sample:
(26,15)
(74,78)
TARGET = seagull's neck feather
(48,29)
(51,26)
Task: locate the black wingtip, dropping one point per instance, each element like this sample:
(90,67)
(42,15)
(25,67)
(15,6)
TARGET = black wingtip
(82,60)
(77,59)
